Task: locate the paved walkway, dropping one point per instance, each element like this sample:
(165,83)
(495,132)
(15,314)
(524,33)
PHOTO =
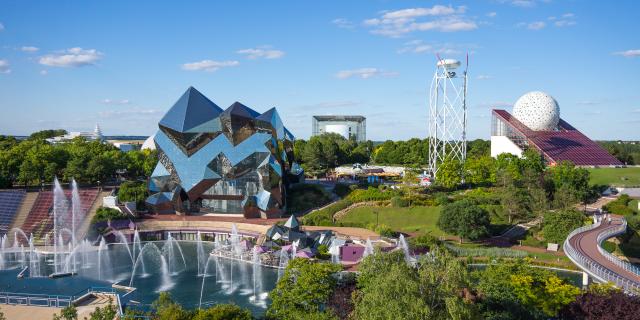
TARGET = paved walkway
(586,244)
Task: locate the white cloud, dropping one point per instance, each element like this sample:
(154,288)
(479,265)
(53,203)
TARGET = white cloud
(364,73)
(73,57)
(136,112)
(484,77)
(523,3)
(265,52)
(633,53)
(208,65)
(537,25)
(492,14)
(566,20)
(1,27)
(116,102)
(29,49)
(419,46)
(343,23)
(401,22)
(44,72)
(4,66)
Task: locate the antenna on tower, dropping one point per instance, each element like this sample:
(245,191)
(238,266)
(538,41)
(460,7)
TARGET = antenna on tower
(447,114)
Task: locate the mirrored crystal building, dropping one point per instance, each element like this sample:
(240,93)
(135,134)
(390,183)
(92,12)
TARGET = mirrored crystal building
(233,161)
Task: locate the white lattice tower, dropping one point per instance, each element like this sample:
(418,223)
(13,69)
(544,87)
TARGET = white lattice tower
(447,114)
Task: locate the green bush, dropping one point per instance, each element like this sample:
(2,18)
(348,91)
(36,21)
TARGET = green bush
(441,199)
(135,191)
(324,217)
(303,197)
(341,190)
(399,202)
(558,225)
(105,214)
(425,241)
(371,194)
(465,219)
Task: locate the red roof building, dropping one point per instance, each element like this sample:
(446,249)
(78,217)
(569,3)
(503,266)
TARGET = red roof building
(510,135)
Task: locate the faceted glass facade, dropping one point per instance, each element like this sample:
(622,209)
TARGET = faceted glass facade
(221,161)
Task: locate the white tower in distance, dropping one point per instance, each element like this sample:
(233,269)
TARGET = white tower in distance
(447,114)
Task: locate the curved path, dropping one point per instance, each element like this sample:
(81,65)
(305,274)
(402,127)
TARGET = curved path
(583,248)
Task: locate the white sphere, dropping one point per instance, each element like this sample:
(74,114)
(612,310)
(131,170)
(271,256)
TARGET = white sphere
(538,111)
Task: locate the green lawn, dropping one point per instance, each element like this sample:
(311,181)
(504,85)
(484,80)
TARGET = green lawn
(414,219)
(621,177)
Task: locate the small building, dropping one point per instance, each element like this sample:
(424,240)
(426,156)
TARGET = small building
(350,127)
(90,136)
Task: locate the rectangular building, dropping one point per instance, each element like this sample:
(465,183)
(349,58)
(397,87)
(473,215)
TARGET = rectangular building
(350,127)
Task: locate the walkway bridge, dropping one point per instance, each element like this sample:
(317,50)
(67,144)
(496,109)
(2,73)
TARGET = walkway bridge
(584,247)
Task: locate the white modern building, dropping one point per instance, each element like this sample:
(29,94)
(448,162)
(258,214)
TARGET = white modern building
(350,127)
(91,136)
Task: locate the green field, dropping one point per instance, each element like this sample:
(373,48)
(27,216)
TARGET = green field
(621,177)
(415,219)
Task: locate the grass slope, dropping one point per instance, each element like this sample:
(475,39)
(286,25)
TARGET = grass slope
(621,177)
(414,219)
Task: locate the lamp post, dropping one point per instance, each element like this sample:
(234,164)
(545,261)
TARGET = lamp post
(377,216)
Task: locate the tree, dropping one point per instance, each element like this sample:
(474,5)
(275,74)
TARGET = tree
(558,225)
(223,312)
(515,201)
(516,290)
(303,290)
(389,288)
(569,183)
(45,134)
(67,313)
(465,219)
(135,191)
(605,305)
(105,313)
(480,170)
(449,173)
(164,308)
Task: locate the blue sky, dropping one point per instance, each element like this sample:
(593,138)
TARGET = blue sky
(70,64)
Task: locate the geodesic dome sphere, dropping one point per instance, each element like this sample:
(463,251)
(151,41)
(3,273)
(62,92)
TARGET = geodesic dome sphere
(538,111)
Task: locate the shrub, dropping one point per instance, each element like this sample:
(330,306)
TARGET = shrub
(442,199)
(342,190)
(133,191)
(382,229)
(425,242)
(302,197)
(371,194)
(399,202)
(105,214)
(558,225)
(324,217)
(465,219)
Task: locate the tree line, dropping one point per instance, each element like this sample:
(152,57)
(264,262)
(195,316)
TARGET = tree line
(34,161)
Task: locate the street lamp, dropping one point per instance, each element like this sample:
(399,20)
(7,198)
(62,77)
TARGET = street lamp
(377,216)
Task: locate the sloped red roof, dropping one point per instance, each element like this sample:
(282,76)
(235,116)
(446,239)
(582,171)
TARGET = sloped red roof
(567,143)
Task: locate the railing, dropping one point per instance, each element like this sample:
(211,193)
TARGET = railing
(595,269)
(615,260)
(110,290)
(34,299)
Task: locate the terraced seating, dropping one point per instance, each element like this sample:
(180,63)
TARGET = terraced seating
(10,201)
(40,219)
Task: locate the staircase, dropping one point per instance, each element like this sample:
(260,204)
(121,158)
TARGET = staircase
(84,227)
(24,209)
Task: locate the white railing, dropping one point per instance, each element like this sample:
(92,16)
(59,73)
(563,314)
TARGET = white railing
(595,269)
(615,260)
